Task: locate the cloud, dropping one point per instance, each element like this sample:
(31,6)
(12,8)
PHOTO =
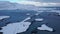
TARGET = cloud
(55,1)
(38,3)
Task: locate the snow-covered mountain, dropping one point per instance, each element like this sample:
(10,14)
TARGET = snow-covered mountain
(5,5)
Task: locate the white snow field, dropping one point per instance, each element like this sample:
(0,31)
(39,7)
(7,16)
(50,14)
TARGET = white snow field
(3,17)
(45,27)
(14,28)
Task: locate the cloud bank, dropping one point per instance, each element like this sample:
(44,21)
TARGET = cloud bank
(38,3)
(55,1)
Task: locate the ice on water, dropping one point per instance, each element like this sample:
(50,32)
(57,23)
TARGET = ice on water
(2,17)
(14,28)
(39,19)
(45,27)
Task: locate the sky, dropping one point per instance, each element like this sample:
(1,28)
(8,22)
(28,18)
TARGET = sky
(36,2)
(33,0)
(13,0)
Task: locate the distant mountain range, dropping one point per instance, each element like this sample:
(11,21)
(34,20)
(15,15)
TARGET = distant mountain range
(5,5)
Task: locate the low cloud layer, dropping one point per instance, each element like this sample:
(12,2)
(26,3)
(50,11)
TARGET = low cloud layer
(55,1)
(39,3)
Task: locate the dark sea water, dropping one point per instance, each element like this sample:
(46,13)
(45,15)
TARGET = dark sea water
(14,16)
(51,19)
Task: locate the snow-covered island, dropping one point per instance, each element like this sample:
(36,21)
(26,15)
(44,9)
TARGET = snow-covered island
(3,17)
(14,28)
(39,19)
(45,27)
